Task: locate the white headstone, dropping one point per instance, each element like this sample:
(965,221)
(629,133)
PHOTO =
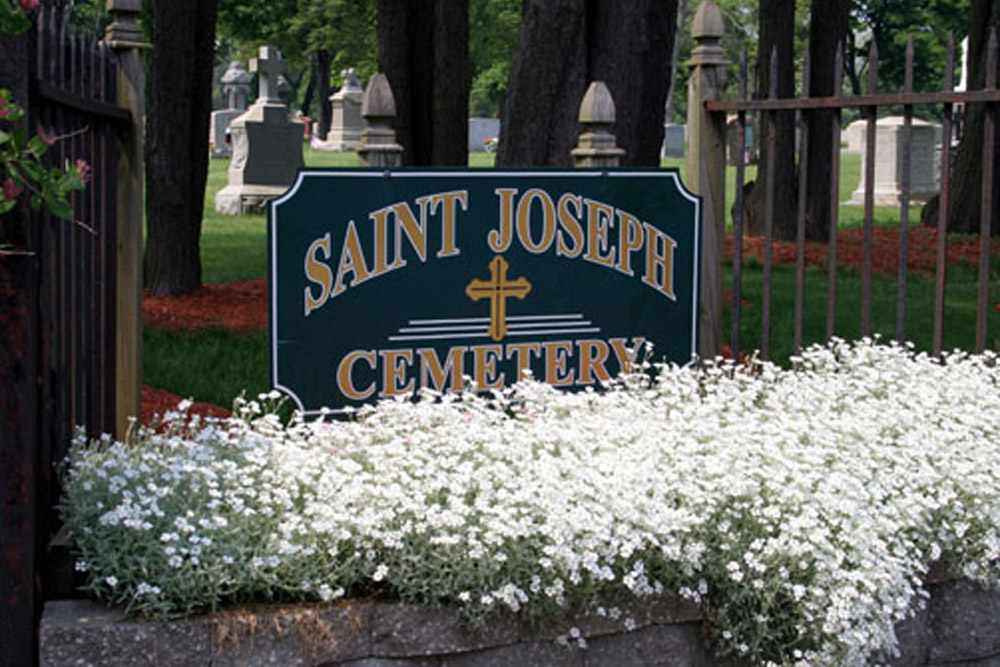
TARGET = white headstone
(855,136)
(346,123)
(235,89)
(889,145)
(267,144)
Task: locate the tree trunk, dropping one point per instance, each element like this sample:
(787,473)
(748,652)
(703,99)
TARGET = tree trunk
(777,30)
(566,44)
(180,103)
(423,49)
(826,33)
(323,106)
(966,178)
(548,77)
(452,82)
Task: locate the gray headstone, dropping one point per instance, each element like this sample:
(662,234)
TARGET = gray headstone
(346,123)
(267,144)
(236,91)
(673,140)
(889,163)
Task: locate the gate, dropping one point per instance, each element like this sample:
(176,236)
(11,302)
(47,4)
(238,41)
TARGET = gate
(64,293)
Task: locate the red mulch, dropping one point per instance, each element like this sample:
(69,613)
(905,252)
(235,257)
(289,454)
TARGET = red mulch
(159,402)
(242,305)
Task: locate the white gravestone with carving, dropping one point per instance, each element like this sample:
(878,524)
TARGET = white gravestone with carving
(267,144)
(235,89)
(346,123)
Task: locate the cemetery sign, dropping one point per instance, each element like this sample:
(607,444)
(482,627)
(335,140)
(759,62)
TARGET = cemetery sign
(382,283)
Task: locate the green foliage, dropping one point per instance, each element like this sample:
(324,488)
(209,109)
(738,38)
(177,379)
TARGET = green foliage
(889,23)
(23,169)
(13,21)
(493,30)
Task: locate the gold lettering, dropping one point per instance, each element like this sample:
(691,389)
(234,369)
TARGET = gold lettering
(593,355)
(521,353)
(659,265)
(433,374)
(571,224)
(499,239)
(379,219)
(626,357)
(524,221)
(629,238)
(318,272)
(599,218)
(351,261)
(485,366)
(406,223)
(556,359)
(450,201)
(394,365)
(346,369)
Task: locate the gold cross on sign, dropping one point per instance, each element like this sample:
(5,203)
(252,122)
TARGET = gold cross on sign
(498,289)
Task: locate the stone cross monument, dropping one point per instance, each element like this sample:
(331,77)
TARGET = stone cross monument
(267,144)
(346,123)
(235,88)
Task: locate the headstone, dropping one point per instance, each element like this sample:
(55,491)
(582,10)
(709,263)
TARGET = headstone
(889,144)
(267,144)
(481,131)
(345,121)
(235,90)
(673,140)
(855,136)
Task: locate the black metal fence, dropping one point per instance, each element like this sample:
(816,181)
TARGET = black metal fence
(948,101)
(58,285)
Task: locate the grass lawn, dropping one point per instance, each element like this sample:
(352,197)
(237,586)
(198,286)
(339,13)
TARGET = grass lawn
(235,249)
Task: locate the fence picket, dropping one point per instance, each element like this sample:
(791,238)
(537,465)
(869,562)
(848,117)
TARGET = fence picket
(904,205)
(986,211)
(800,222)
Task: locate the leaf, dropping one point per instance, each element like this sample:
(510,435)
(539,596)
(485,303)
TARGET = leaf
(4,137)
(37,146)
(7,204)
(58,206)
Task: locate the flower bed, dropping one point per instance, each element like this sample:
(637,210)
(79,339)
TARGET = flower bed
(802,509)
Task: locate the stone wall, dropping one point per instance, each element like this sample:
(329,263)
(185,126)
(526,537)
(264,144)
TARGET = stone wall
(961,626)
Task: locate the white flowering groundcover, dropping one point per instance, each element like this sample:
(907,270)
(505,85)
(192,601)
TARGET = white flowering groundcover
(802,508)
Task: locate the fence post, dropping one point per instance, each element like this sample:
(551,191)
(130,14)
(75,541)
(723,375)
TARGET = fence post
(596,145)
(378,140)
(706,166)
(125,37)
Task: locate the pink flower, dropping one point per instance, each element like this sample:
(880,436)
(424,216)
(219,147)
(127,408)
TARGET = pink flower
(83,168)
(48,138)
(4,113)
(28,5)
(11,189)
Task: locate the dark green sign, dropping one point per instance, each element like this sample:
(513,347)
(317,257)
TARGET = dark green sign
(384,283)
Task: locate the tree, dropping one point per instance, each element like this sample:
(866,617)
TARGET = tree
(423,49)
(493,27)
(777,30)
(966,176)
(827,28)
(179,105)
(562,47)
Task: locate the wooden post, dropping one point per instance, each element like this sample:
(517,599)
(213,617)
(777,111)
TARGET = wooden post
(596,146)
(124,36)
(378,139)
(706,170)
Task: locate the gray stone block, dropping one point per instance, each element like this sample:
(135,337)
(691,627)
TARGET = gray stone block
(659,645)
(293,635)
(964,622)
(83,634)
(408,630)
(549,654)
